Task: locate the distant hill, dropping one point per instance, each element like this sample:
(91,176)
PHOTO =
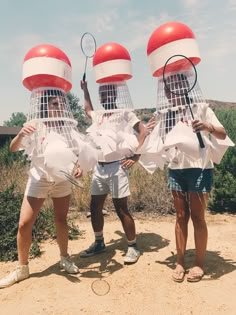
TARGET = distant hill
(146,113)
(221,105)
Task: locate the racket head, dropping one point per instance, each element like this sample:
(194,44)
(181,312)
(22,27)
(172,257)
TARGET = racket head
(173,96)
(100,287)
(176,78)
(88,44)
(178,87)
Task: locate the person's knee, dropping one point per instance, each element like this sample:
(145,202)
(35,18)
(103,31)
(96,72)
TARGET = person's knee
(198,219)
(97,203)
(123,212)
(119,207)
(24,226)
(61,220)
(182,218)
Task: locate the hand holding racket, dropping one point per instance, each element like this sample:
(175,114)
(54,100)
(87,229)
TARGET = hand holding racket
(73,177)
(88,46)
(177,83)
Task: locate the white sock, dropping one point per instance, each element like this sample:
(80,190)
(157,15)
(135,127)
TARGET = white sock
(98,236)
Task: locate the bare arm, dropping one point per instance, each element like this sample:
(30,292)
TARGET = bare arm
(143,131)
(88,107)
(16,142)
(217,131)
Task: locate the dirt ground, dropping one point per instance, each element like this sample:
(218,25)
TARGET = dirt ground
(106,286)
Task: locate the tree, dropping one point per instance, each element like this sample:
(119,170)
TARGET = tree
(224,192)
(16,119)
(78,112)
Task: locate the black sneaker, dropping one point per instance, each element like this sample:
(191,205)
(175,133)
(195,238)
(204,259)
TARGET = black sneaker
(96,248)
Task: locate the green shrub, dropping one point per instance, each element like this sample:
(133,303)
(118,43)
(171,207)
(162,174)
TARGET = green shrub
(223,197)
(10,204)
(7,158)
(44,228)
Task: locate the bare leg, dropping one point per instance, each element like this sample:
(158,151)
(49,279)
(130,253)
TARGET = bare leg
(29,212)
(181,226)
(61,207)
(97,220)
(198,204)
(121,206)
(96,206)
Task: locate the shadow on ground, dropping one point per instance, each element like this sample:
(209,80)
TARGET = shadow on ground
(55,269)
(105,263)
(215,265)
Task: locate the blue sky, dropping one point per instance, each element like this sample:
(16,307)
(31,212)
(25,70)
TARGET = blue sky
(25,24)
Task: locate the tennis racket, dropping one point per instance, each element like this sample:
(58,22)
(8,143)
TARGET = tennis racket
(88,46)
(72,179)
(100,287)
(177,83)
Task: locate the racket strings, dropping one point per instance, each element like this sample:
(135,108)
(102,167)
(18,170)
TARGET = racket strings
(174,91)
(72,179)
(88,45)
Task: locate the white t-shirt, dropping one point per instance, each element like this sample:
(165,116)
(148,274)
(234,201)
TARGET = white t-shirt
(34,147)
(181,160)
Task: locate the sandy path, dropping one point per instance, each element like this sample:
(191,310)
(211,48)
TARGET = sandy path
(143,288)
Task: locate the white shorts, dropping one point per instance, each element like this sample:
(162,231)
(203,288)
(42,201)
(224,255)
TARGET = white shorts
(43,188)
(110,178)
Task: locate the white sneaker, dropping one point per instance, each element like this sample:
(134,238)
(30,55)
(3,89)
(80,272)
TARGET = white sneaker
(21,273)
(67,264)
(104,212)
(132,255)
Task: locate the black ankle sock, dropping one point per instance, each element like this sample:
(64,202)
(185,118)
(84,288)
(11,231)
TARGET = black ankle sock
(132,245)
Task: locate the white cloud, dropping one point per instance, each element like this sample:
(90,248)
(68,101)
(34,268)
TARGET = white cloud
(232,5)
(113,3)
(191,3)
(106,22)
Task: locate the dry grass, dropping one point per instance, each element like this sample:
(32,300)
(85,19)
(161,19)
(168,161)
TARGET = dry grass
(149,193)
(14,174)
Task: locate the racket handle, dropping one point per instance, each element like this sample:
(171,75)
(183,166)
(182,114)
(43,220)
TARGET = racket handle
(201,143)
(84,77)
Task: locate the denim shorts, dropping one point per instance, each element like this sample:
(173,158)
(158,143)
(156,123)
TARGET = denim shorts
(191,180)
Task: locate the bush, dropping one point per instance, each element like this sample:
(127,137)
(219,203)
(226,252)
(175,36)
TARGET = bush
(10,204)
(7,158)
(223,197)
(44,228)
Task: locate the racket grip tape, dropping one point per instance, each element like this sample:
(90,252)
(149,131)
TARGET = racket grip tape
(84,77)
(201,143)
